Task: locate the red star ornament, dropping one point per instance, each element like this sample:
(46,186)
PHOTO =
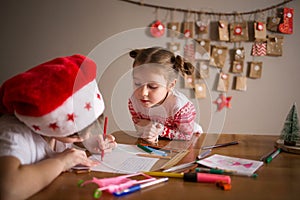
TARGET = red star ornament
(223,101)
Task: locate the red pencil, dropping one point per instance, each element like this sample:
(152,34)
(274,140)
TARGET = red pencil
(104,135)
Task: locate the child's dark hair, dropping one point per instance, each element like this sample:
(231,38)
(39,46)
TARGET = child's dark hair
(158,55)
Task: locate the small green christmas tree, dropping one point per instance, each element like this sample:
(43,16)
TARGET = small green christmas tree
(290,131)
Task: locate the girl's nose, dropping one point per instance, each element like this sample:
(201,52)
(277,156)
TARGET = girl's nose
(144,90)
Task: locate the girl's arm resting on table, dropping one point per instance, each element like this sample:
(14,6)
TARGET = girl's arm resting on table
(183,127)
(22,181)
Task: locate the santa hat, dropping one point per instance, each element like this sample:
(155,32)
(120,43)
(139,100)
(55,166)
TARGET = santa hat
(56,98)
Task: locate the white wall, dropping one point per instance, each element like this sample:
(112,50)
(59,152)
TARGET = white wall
(35,31)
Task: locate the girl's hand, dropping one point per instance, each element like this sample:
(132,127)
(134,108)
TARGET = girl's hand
(96,144)
(150,131)
(72,157)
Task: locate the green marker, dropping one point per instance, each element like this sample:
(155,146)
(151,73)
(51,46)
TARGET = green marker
(273,155)
(228,172)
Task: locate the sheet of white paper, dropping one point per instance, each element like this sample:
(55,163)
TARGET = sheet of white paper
(123,159)
(231,163)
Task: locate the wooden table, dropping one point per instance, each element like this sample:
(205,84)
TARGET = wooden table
(279,179)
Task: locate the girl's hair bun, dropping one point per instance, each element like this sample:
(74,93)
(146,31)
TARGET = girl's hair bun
(134,53)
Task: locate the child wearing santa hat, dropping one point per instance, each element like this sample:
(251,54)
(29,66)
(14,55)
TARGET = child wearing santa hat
(43,112)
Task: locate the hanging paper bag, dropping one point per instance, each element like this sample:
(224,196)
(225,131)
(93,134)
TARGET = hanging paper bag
(188,29)
(203,69)
(174,47)
(200,90)
(287,21)
(189,81)
(223,30)
(259,48)
(189,52)
(255,70)
(241,83)
(202,51)
(274,45)
(218,56)
(173,29)
(237,66)
(273,23)
(239,31)
(202,27)
(260,31)
(239,54)
(223,82)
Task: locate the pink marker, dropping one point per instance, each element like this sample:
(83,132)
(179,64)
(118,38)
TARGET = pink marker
(206,178)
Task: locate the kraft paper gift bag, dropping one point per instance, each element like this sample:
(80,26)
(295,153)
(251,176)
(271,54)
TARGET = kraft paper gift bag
(218,56)
(260,31)
(223,30)
(173,29)
(237,66)
(241,83)
(239,31)
(174,47)
(239,54)
(223,82)
(273,23)
(255,70)
(274,45)
(203,70)
(189,81)
(202,49)
(188,29)
(200,90)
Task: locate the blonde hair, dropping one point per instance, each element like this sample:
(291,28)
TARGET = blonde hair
(172,64)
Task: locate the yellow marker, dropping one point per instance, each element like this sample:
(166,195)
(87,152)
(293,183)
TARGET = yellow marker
(165,174)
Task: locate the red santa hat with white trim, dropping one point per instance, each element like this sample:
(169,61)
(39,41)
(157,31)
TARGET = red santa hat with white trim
(57,98)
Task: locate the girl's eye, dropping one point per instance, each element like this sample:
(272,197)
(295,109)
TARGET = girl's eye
(153,87)
(137,84)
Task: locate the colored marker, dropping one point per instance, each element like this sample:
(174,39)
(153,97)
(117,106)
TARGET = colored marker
(139,187)
(227,172)
(273,155)
(144,148)
(220,145)
(194,177)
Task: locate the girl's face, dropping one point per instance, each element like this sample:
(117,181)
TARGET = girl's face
(151,87)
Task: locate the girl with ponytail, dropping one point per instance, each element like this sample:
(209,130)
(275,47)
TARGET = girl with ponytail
(158,110)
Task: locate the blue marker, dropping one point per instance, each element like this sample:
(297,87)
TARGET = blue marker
(155,151)
(139,187)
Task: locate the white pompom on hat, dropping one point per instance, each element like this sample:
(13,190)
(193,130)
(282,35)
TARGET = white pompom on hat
(57,98)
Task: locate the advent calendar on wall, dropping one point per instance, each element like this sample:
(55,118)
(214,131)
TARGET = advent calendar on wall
(264,28)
